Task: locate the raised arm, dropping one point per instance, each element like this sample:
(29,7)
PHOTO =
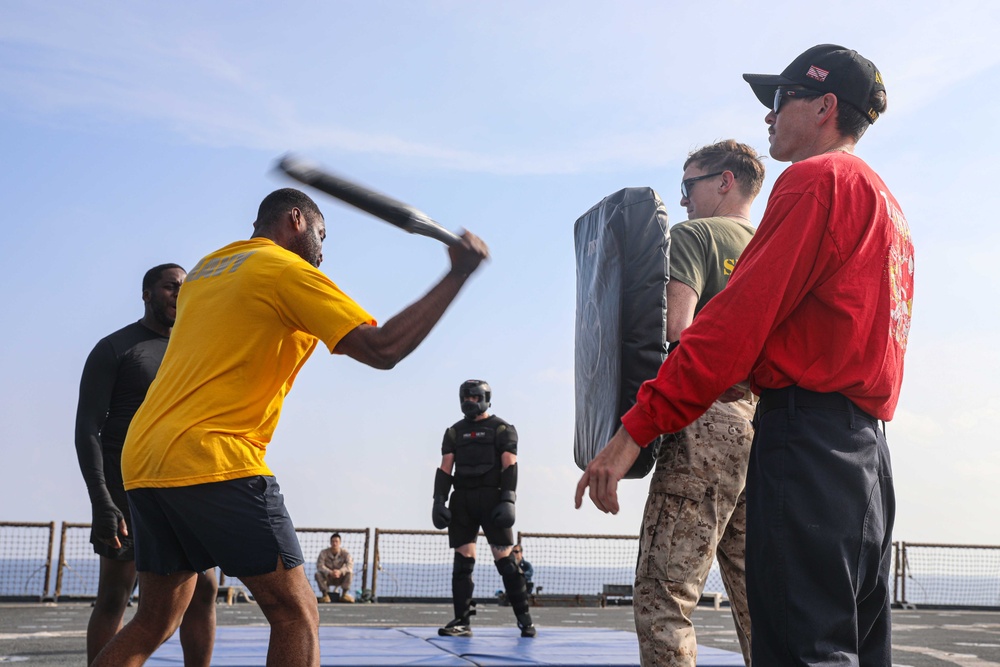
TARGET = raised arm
(385,346)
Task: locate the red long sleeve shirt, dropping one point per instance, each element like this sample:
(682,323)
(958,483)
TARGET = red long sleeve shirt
(821,298)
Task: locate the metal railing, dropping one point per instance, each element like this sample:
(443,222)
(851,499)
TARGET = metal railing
(416,565)
(78,568)
(947,575)
(25,559)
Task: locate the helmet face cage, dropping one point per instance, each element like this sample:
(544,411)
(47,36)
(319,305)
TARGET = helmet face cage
(475,388)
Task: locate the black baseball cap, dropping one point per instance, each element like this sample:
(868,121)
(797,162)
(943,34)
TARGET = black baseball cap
(827,68)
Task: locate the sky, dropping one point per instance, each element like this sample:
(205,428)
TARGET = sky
(134,134)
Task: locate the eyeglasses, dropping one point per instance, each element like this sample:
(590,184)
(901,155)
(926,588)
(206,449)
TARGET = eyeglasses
(792,93)
(688,182)
(515,551)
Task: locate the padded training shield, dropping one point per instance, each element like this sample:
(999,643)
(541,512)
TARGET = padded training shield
(622,268)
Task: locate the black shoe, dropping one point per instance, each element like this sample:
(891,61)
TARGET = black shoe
(526,626)
(457,628)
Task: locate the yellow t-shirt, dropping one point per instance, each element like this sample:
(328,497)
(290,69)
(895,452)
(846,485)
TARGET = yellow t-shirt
(248,317)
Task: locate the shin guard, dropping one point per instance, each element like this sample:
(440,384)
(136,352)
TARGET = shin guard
(462,586)
(513,582)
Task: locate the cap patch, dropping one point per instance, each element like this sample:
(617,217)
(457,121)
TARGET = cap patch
(817,73)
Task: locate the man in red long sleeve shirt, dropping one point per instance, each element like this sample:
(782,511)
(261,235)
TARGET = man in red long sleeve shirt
(816,315)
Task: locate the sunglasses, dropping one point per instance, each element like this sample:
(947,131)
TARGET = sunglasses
(688,182)
(781,94)
(515,551)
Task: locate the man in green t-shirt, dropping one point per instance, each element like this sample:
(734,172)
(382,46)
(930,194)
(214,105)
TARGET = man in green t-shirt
(696,504)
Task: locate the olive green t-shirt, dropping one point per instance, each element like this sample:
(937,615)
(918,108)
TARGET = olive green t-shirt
(703,253)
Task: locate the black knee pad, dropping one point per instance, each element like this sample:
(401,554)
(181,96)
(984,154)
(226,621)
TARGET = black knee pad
(513,583)
(463,566)
(507,566)
(462,585)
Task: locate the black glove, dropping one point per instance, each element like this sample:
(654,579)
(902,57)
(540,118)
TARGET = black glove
(503,512)
(441,515)
(106,516)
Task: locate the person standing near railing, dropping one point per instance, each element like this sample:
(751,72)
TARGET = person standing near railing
(115,379)
(481,449)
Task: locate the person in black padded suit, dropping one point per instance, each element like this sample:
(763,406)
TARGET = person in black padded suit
(482,450)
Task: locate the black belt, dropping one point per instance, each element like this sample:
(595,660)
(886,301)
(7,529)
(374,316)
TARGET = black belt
(797,397)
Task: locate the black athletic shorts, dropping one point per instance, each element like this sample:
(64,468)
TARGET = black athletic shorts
(470,509)
(240,525)
(116,488)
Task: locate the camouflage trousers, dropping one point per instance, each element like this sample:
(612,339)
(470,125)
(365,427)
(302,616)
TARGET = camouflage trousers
(326,581)
(696,510)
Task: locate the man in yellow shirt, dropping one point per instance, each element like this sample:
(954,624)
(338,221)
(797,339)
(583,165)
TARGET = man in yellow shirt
(201,496)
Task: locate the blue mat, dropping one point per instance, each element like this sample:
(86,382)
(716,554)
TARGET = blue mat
(241,646)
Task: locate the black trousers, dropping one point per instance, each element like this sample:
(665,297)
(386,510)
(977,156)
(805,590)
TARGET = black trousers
(820,511)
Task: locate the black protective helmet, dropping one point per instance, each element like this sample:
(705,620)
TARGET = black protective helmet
(480,388)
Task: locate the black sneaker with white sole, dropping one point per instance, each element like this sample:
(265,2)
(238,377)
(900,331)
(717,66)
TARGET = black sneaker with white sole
(457,628)
(525,625)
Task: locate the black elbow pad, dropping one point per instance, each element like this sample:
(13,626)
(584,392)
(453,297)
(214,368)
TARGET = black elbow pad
(508,478)
(442,484)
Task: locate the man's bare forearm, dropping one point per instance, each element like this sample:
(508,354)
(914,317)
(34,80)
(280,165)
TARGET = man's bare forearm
(385,346)
(401,334)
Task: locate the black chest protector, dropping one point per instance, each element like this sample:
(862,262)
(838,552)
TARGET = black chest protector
(478,446)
